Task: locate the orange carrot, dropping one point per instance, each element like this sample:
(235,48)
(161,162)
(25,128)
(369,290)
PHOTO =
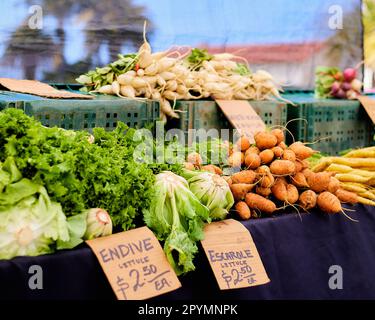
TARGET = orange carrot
(252,149)
(277,151)
(333,185)
(245,176)
(262,170)
(266,156)
(264,192)
(292,194)
(346,196)
(279,134)
(279,189)
(255,201)
(239,190)
(329,203)
(282,145)
(265,140)
(267,180)
(307,199)
(301,151)
(243,210)
(217,170)
(282,167)
(318,182)
(243,143)
(289,155)
(307,172)
(298,165)
(252,161)
(299,180)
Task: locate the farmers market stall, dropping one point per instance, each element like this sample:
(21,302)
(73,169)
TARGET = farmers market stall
(265,203)
(297,256)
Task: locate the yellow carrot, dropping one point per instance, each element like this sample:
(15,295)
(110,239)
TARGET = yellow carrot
(367,195)
(349,177)
(372,169)
(362,185)
(353,188)
(366,201)
(322,165)
(334,167)
(354,162)
(361,153)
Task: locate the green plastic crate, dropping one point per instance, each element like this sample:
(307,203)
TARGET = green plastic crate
(206,114)
(77,114)
(336,124)
(10,99)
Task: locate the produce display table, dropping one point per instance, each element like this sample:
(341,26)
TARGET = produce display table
(296,254)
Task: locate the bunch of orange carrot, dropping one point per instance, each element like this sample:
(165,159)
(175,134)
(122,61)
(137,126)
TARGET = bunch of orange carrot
(273,176)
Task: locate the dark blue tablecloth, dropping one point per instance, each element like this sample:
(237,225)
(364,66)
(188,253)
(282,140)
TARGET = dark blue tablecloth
(297,255)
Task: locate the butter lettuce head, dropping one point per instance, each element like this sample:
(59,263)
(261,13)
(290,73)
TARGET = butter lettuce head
(30,223)
(212,190)
(177,217)
(31,227)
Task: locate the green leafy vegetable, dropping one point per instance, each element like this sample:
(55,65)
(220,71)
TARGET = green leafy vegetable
(77,226)
(242,69)
(79,174)
(30,223)
(212,191)
(99,77)
(177,217)
(99,224)
(197,56)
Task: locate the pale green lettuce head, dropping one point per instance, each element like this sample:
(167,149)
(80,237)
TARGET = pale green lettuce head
(31,227)
(30,223)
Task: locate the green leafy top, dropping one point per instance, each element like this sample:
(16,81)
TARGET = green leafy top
(197,56)
(242,69)
(324,79)
(99,77)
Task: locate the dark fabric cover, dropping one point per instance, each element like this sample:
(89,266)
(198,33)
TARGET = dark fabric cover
(296,255)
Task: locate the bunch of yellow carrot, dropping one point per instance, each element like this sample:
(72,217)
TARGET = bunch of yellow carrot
(355,171)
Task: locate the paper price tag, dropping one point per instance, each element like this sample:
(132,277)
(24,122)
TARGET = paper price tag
(242,116)
(135,264)
(233,255)
(369,105)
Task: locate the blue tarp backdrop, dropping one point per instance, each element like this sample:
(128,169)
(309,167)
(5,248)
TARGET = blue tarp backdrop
(286,37)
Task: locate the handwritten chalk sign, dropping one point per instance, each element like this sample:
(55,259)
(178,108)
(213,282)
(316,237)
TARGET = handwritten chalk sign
(233,256)
(369,105)
(242,117)
(135,264)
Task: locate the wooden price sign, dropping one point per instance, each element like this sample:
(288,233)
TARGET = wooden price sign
(233,256)
(242,116)
(369,105)
(135,264)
